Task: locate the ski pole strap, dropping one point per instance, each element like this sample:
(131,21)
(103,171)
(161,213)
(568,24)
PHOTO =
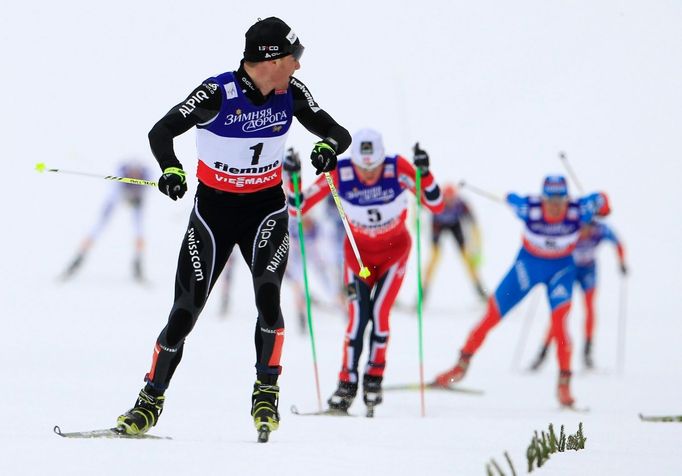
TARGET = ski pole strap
(364,272)
(41,167)
(176,171)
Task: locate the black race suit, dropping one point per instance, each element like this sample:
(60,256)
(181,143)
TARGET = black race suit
(256,222)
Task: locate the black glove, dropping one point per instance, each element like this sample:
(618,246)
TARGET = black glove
(421,160)
(173,182)
(292,162)
(623,269)
(323,157)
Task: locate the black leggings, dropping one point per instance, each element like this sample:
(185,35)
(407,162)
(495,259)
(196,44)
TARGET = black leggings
(455,228)
(257,223)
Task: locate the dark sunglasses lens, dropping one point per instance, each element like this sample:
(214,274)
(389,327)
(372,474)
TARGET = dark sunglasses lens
(298,52)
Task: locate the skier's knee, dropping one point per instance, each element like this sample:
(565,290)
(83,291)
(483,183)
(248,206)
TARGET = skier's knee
(179,326)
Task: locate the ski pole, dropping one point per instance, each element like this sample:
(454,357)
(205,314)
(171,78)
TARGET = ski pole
(571,173)
(41,167)
(622,308)
(481,192)
(297,195)
(419,291)
(364,272)
(523,336)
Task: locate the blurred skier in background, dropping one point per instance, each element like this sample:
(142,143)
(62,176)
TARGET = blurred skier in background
(242,119)
(121,193)
(457,219)
(591,235)
(371,187)
(552,226)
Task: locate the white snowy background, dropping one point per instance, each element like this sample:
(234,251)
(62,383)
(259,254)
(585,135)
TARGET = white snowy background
(493,90)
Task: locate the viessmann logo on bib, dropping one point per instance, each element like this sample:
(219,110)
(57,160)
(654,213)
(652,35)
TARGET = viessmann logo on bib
(257,120)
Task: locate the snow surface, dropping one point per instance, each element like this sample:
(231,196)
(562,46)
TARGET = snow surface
(493,90)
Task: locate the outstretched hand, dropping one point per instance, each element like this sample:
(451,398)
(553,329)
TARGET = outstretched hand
(420,159)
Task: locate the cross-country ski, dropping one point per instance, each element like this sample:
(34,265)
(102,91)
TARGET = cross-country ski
(435,238)
(107,433)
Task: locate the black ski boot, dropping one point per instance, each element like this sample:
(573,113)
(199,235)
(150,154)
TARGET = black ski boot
(144,414)
(264,401)
(343,397)
(371,392)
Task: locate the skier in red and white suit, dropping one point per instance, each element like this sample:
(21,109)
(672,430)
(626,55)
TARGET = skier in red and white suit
(371,187)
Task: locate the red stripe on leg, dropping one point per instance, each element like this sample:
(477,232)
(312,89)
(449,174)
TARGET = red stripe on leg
(561,336)
(378,363)
(277,348)
(490,320)
(155,357)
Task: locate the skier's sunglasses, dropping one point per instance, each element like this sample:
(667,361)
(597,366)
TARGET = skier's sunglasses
(297,51)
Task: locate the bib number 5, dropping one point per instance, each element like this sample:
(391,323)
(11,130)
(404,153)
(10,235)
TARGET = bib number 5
(374,215)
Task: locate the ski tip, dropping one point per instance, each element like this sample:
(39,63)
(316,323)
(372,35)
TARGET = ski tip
(40,167)
(661,418)
(364,272)
(294,409)
(263,434)
(57,430)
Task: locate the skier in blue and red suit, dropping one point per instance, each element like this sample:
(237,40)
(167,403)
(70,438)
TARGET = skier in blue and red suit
(591,236)
(552,225)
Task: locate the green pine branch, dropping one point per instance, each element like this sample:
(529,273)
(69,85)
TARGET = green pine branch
(511,465)
(545,444)
(577,442)
(497,467)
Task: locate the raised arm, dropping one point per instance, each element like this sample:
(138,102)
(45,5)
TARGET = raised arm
(431,198)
